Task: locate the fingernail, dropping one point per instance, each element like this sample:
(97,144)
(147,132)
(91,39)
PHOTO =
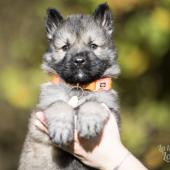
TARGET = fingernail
(38,114)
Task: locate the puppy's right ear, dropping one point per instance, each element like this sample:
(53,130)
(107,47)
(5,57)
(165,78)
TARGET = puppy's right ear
(54,19)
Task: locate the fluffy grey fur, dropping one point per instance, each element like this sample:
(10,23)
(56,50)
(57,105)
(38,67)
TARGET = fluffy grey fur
(80,51)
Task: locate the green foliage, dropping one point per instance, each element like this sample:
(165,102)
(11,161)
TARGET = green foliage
(142,36)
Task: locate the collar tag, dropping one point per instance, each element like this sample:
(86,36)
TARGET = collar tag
(73,101)
(103,84)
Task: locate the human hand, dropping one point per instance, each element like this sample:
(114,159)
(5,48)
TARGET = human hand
(103,152)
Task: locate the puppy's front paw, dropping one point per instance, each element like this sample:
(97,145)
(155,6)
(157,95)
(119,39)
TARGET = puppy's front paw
(91,119)
(61,132)
(60,119)
(89,127)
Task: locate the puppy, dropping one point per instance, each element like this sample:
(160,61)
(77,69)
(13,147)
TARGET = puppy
(82,59)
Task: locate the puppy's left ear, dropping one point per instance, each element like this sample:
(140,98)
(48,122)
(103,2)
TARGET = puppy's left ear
(103,15)
(54,19)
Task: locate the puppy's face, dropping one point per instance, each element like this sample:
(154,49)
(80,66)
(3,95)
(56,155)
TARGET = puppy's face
(80,46)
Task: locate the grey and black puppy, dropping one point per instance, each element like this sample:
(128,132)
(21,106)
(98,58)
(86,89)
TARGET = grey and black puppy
(80,51)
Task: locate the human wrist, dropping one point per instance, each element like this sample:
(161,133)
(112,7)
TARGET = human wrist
(114,159)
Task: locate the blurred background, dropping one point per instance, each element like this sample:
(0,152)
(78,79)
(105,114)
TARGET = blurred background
(142,37)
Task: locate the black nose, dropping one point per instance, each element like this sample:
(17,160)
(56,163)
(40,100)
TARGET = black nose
(79,60)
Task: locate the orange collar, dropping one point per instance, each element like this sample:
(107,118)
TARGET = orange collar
(102,84)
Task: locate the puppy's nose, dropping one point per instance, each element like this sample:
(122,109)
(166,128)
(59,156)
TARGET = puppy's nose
(79,60)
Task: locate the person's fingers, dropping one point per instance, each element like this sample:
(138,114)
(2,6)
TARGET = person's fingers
(77,146)
(111,127)
(41,122)
(112,122)
(79,151)
(112,119)
(40,116)
(40,126)
(104,105)
(76,138)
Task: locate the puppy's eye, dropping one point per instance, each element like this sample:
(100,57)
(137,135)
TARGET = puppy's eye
(93,46)
(65,47)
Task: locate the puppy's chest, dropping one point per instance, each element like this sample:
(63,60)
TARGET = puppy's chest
(51,93)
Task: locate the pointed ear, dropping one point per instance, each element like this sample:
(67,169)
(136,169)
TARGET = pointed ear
(103,15)
(54,19)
